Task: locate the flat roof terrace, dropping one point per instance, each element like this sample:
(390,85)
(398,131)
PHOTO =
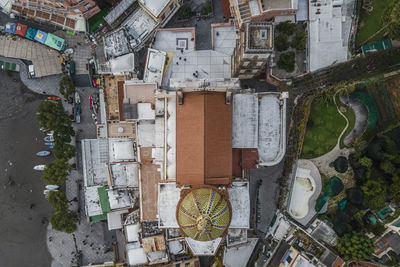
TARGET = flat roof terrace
(276,4)
(259,37)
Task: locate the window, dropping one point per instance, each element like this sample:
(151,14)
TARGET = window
(263,34)
(246,63)
(260,63)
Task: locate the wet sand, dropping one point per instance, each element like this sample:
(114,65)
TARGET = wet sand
(24,212)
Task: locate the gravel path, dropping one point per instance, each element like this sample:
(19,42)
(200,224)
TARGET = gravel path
(361,119)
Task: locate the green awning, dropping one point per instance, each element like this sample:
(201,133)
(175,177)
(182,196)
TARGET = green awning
(105,205)
(97,218)
(55,42)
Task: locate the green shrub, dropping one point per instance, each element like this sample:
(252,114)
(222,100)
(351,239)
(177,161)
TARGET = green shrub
(340,164)
(64,221)
(299,40)
(286,27)
(185,12)
(287,61)
(281,42)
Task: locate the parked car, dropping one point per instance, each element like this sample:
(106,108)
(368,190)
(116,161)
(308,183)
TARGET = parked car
(71,67)
(31,71)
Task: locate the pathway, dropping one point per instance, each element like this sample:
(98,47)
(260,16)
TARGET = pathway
(361,119)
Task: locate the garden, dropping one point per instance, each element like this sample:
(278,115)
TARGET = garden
(323,128)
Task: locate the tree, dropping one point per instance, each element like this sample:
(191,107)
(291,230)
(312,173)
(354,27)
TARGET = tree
(64,221)
(63,150)
(387,167)
(340,164)
(56,171)
(286,27)
(366,162)
(394,188)
(287,61)
(58,200)
(299,40)
(390,17)
(49,115)
(185,12)
(281,42)
(67,86)
(355,247)
(374,193)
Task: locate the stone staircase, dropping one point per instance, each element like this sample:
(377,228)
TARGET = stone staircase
(245,14)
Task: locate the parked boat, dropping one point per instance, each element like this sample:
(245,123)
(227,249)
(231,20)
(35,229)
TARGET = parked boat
(78,113)
(49,138)
(49,143)
(39,167)
(43,153)
(77,98)
(52,187)
(50,133)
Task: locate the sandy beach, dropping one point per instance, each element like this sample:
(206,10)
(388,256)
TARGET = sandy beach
(24,212)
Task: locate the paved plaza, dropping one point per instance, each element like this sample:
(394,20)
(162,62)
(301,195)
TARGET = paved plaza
(45,60)
(82,52)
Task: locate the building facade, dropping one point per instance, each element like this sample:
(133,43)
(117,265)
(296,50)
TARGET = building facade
(245,11)
(67,14)
(253,50)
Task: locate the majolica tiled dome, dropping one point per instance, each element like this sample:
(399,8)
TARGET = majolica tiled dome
(204,214)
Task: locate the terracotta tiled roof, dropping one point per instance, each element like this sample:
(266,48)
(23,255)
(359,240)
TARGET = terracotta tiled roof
(204,139)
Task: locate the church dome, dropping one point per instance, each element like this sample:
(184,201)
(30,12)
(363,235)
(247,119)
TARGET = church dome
(204,214)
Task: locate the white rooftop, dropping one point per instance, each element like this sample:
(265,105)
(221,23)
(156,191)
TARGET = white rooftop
(92,201)
(224,38)
(145,111)
(94,160)
(154,69)
(238,256)
(168,198)
(139,25)
(125,174)
(119,199)
(240,201)
(123,65)
(114,219)
(326,42)
(245,121)
(201,64)
(132,232)
(174,41)
(203,248)
(121,149)
(146,134)
(155,6)
(136,255)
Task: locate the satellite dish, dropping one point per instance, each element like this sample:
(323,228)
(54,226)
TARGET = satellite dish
(120,129)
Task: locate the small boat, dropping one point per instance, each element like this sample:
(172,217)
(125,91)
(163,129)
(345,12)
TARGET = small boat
(90,102)
(49,138)
(54,98)
(50,133)
(39,167)
(43,153)
(52,187)
(49,143)
(77,98)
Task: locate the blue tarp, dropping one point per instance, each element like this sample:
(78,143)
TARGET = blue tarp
(10,27)
(41,36)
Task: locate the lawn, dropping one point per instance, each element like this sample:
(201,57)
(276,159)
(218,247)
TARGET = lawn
(95,21)
(370,23)
(323,128)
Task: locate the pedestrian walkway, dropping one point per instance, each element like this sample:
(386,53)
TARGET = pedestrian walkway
(46,61)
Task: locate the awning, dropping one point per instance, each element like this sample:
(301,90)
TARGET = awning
(41,36)
(21,30)
(30,33)
(10,27)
